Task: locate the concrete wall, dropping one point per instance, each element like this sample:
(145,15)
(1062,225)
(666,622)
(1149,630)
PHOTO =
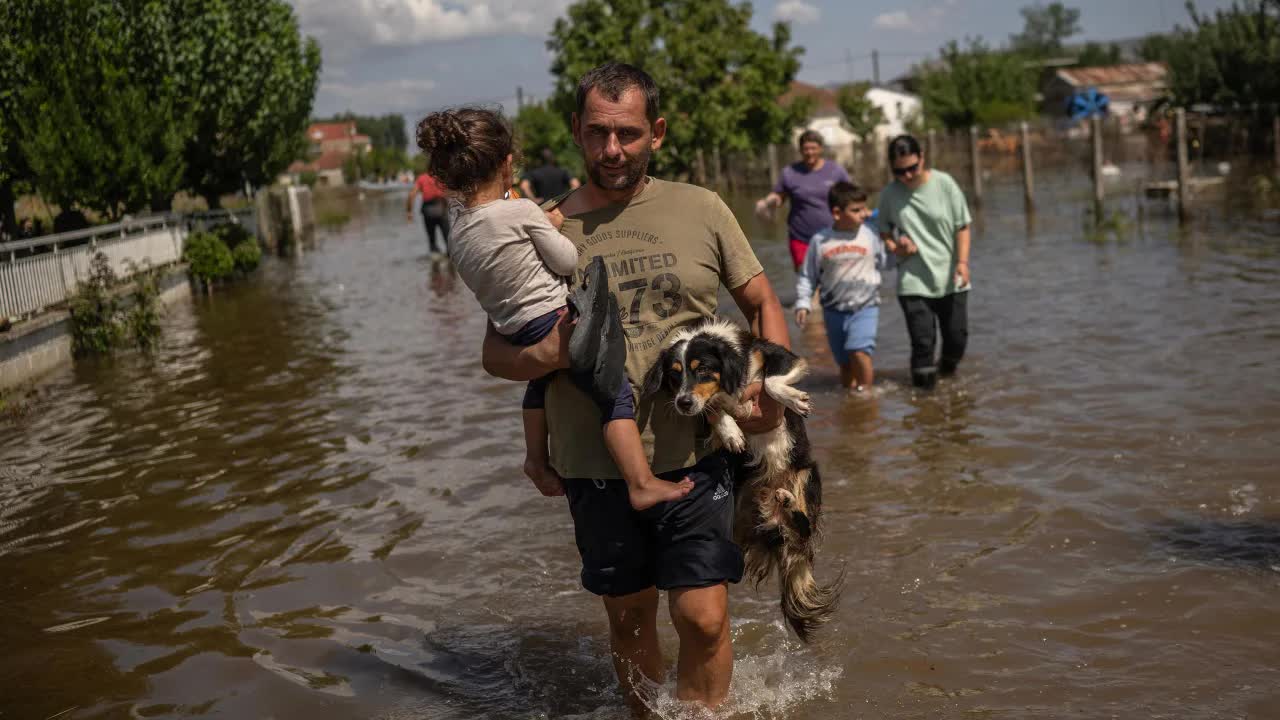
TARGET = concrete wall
(33,348)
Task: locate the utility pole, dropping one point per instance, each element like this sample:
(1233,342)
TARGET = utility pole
(848,65)
(519,98)
(875,67)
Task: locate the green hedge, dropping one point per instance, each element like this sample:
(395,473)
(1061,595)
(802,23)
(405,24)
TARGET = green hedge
(207,257)
(247,255)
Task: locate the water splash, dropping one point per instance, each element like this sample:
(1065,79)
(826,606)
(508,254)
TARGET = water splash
(764,687)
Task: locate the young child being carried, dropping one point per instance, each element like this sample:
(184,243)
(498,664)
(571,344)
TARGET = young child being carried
(844,264)
(514,259)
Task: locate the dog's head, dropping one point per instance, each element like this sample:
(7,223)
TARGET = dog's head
(696,366)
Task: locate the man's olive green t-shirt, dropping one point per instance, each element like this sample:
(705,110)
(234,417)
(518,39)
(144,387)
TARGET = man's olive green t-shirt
(668,250)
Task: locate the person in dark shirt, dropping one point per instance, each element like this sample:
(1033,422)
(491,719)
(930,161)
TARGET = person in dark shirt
(547,181)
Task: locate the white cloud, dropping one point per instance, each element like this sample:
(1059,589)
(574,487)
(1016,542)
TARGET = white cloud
(898,20)
(345,25)
(796,11)
(398,95)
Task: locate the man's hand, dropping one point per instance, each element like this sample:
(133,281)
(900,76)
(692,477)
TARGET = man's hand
(555,217)
(962,272)
(408,217)
(765,415)
(502,359)
(548,481)
(802,316)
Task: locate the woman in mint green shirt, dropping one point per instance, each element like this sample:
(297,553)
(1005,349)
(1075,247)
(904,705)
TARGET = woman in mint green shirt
(924,220)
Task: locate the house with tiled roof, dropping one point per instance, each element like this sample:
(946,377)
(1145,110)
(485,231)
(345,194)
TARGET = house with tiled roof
(1131,88)
(329,146)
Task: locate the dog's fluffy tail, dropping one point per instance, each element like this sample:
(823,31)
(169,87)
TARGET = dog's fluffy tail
(805,603)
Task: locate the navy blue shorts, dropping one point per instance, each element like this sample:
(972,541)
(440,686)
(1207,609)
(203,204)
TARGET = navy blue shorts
(685,543)
(535,394)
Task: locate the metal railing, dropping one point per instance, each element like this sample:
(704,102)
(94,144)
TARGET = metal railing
(43,272)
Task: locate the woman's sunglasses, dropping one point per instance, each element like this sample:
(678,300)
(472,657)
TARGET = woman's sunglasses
(908,169)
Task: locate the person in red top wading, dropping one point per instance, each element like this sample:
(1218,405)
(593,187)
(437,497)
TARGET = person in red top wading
(435,210)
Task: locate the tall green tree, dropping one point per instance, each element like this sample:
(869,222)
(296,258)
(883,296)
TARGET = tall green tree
(720,80)
(862,115)
(1045,28)
(102,125)
(252,86)
(977,85)
(1229,58)
(539,125)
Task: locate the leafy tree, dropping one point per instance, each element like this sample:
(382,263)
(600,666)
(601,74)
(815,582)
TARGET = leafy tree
(977,85)
(862,114)
(1095,55)
(539,125)
(1044,29)
(1228,58)
(719,79)
(252,87)
(102,127)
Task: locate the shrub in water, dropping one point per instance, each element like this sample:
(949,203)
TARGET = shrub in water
(143,318)
(247,255)
(207,257)
(100,320)
(95,311)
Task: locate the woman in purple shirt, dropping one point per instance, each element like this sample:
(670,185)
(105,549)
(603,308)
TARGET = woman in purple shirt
(806,185)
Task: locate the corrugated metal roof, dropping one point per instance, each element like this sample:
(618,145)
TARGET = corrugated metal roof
(1150,73)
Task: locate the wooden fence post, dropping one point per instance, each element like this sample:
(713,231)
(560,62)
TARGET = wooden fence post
(1028,182)
(976,163)
(773,165)
(699,168)
(1180,130)
(932,148)
(1098,192)
(715,166)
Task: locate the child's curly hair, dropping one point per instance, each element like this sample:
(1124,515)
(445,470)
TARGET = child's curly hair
(465,146)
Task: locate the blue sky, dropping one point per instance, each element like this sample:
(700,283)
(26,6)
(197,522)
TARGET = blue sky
(413,56)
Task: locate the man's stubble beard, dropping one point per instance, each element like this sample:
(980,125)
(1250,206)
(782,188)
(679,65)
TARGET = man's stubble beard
(637,168)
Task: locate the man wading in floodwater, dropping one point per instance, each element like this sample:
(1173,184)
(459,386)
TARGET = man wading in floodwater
(669,247)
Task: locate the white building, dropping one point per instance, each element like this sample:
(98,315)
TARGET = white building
(827,120)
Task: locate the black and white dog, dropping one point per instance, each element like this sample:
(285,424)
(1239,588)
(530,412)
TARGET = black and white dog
(706,367)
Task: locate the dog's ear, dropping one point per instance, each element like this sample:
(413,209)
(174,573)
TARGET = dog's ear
(653,378)
(732,369)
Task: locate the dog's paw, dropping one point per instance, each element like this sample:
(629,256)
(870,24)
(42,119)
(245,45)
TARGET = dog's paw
(802,404)
(733,439)
(784,498)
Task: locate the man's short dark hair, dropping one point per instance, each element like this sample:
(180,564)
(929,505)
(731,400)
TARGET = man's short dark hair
(614,78)
(843,193)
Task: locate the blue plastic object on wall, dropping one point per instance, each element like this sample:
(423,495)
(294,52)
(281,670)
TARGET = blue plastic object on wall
(1087,103)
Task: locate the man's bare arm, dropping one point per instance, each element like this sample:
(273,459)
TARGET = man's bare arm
(763,311)
(513,362)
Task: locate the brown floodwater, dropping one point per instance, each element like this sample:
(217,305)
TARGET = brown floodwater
(309,504)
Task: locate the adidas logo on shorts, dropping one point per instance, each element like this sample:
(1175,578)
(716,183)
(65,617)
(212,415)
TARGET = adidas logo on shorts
(722,492)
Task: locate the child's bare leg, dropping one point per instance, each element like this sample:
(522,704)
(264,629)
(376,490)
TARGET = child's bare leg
(847,379)
(622,438)
(863,371)
(537,463)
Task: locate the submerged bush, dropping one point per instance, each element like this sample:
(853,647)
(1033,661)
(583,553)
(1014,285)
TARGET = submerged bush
(95,311)
(247,255)
(207,257)
(100,319)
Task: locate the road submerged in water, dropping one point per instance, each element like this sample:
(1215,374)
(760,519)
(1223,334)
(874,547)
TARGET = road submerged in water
(309,503)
